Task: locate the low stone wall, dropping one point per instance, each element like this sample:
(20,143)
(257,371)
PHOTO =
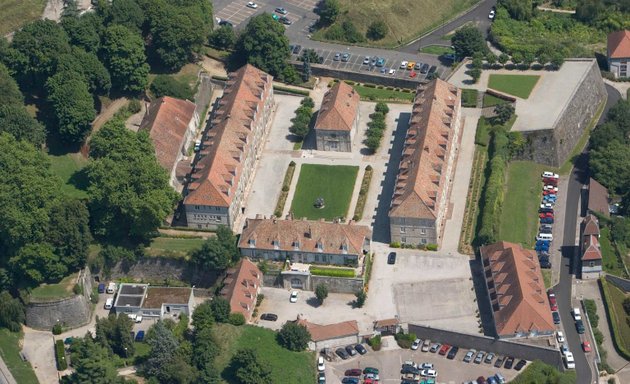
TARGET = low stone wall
(623,284)
(161,270)
(338,284)
(272,279)
(550,356)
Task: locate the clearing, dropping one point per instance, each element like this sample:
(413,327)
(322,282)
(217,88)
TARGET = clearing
(68,167)
(10,352)
(614,298)
(437,49)
(16,13)
(173,246)
(332,183)
(46,292)
(515,85)
(519,215)
(383,94)
(406,19)
(286,366)
(610,261)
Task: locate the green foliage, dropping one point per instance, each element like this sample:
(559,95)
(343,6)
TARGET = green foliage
(518,9)
(16,120)
(220,309)
(165,85)
(203,317)
(264,45)
(302,120)
(375,342)
(469,98)
(405,340)
(57,329)
(333,272)
(223,38)
(321,292)
(219,252)
(475,73)
(482,135)
(504,113)
(346,31)
(626,305)
(125,59)
(591,311)
(10,94)
(541,373)
(129,192)
(293,336)
(381,108)
(69,232)
(328,10)
(377,30)
(114,333)
(11,312)
(85,31)
(163,349)
(376,127)
(92,363)
(249,369)
(60,356)
(236,318)
(36,263)
(72,105)
(467,41)
(432,247)
(88,67)
(127,13)
(361,297)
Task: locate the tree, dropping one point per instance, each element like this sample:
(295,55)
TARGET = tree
(293,336)
(468,40)
(218,252)
(87,65)
(127,13)
(223,38)
(72,106)
(589,11)
(70,9)
(205,347)
(321,292)
(557,60)
(518,9)
(543,58)
(165,85)
(264,45)
(611,165)
(475,73)
(503,59)
(125,59)
(306,70)
(528,59)
(114,333)
(10,94)
(236,318)
(85,31)
(221,309)
(328,10)
(69,232)
(503,112)
(249,369)
(361,297)
(37,263)
(163,348)
(382,108)
(16,120)
(92,363)
(203,317)
(377,30)
(11,312)
(491,58)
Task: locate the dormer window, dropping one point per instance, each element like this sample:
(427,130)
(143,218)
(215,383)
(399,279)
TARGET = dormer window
(320,246)
(276,244)
(251,242)
(296,245)
(344,248)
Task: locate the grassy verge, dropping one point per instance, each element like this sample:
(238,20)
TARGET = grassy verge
(363,193)
(389,94)
(519,217)
(60,290)
(471,214)
(546,274)
(10,351)
(516,85)
(469,98)
(538,372)
(367,270)
(68,168)
(613,301)
(17,13)
(437,49)
(286,366)
(491,101)
(290,90)
(332,183)
(611,263)
(297,146)
(177,247)
(332,272)
(284,193)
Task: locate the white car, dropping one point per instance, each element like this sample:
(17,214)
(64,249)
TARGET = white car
(416,343)
(550,175)
(429,373)
(426,366)
(410,363)
(321,366)
(576,314)
(491,15)
(373,376)
(403,64)
(569,360)
(366,60)
(560,337)
(293,298)
(138,319)
(251,4)
(132,316)
(392,71)
(426,345)
(550,188)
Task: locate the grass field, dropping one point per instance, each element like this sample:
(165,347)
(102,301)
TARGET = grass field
(519,217)
(10,351)
(437,49)
(516,85)
(375,94)
(469,98)
(334,183)
(546,274)
(406,19)
(68,167)
(537,370)
(16,13)
(55,291)
(610,262)
(615,304)
(491,101)
(173,247)
(286,366)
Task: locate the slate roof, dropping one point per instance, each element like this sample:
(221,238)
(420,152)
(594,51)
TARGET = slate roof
(619,45)
(422,171)
(339,108)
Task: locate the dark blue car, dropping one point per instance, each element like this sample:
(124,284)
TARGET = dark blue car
(140,336)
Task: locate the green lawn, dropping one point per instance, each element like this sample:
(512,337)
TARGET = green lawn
(68,167)
(174,247)
(286,366)
(333,183)
(10,351)
(16,13)
(469,98)
(491,101)
(537,371)
(546,274)
(617,296)
(55,291)
(519,217)
(516,85)
(375,94)
(610,262)
(437,49)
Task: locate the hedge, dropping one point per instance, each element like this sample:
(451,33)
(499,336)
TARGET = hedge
(608,305)
(290,90)
(482,135)
(60,356)
(362,199)
(332,272)
(284,193)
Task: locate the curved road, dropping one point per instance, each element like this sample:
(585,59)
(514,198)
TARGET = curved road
(578,178)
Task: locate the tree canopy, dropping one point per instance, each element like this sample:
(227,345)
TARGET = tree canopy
(328,10)
(249,369)
(293,336)
(10,94)
(88,66)
(219,252)
(16,120)
(125,58)
(467,41)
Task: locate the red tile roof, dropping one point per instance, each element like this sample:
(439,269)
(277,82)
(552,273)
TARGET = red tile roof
(339,108)
(422,171)
(590,248)
(225,147)
(619,45)
(167,120)
(330,331)
(266,233)
(241,287)
(518,296)
(590,226)
(597,198)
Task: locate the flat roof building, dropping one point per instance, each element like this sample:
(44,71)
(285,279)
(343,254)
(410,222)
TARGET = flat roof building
(162,302)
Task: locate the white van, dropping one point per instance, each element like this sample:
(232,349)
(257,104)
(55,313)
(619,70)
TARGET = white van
(576,314)
(544,236)
(568,357)
(109,303)
(111,288)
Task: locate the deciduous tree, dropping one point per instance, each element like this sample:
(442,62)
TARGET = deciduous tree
(88,66)
(328,10)
(16,120)
(467,41)
(223,38)
(10,94)
(249,369)
(377,30)
(321,292)
(221,309)
(72,106)
(293,336)
(203,317)
(37,263)
(84,31)
(11,312)
(217,252)
(125,59)
(69,232)
(504,112)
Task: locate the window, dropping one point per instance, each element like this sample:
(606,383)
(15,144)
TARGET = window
(403,229)
(196,207)
(423,240)
(591,264)
(403,240)
(423,231)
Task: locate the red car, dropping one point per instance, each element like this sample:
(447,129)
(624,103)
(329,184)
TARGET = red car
(546,214)
(549,180)
(586,346)
(552,301)
(353,372)
(444,349)
(412,74)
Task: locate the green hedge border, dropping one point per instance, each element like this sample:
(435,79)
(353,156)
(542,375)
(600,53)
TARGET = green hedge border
(60,356)
(611,318)
(332,272)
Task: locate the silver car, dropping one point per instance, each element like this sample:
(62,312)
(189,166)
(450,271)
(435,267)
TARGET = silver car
(469,355)
(479,357)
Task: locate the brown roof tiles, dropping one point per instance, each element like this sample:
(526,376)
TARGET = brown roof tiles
(330,331)
(241,287)
(339,108)
(591,249)
(597,198)
(619,45)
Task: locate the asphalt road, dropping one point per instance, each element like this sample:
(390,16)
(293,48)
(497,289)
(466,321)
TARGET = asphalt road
(579,177)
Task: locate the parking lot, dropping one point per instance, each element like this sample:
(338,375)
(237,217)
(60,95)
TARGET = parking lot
(389,363)
(237,12)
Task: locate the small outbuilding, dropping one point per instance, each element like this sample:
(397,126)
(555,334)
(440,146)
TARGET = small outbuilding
(338,119)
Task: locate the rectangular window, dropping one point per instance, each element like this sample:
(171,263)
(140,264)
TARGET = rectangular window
(591,264)
(196,207)
(403,240)
(403,230)
(423,231)
(423,240)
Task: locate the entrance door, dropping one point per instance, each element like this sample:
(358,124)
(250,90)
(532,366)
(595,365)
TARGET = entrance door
(297,283)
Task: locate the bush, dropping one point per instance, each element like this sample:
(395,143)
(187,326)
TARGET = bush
(236,318)
(369,85)
(394,244)
(591,312)
(57,329)
(377,30)
(361,297)
(134,106)
(332,272)
(375,342)
(165,85)
(77,289)
(294,337)
(405,340)
(432,247)
(60,356)
(259,299)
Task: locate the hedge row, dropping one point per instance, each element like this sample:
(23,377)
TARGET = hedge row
(376,127)
(60,356)
(482,135)
(332,272)
(290,90)
(286,185)
(361,200)
(612,322)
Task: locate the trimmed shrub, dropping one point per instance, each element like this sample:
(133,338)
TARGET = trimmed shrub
(290,90)
(165,85)
(361,297)
(375,342)
(432,247)
(332,272)
(57,329)
(236,318)
(405,340)
(60,356)
(394,244)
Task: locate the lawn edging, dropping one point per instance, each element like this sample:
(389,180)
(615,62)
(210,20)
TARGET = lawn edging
(286,186)
(471,211)
(363,192)
(60,356)
(611,317)
(332,272)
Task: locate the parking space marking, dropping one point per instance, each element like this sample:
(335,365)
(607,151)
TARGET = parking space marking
(309,5)
(236,13)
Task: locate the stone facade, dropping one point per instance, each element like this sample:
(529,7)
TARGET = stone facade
(553,146)
(329,140)
(308,282)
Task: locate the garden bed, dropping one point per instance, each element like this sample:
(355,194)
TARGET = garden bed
(332,272)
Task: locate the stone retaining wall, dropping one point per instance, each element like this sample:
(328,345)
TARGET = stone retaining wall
(161,270)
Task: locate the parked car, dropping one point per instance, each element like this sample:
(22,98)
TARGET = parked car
(350,380)
(251,4)
(412,74)
(111,287)
(500,378)
(489,357)
(491,380)
(101,288)
(479,357)
(342,353)
(552,297)
(337,56)
(424,68)
(577,315)
(435,347)
(409,369)
(140,336)
(509,362)
(353,372)
(564,349)
(372,376)
(492,14)
(109,303)
(68,340)
(444,349)
(366,60)
(545,230)
(579,326)
(429,373)
(225,22)
(426,345)
(426,366)
(321,378)
(321,366)
(391,71)
(481,380)
(285,20)
(416,344)
(521,363)
(432,69)
(469,356)
(391,258)
(550,175)
(403,64)
(499,362)
(569,360)
(361,349)
(297,49)
(269,317)
(586,346)
(546,220)
(417,66)
(293,297)
(411,64)
(452,353)
(380,62)
(409,363)
(351,351)
(281,11)
(370,370)
(556,317)
(545,264)
(345,57)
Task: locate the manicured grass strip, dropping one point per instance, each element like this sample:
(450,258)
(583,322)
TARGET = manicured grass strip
(610,260)
(469,98)
(332,183)
(10,351)
(60,290)
(471,214)
(333,272)
(613,301)
(16,13)
(491,101)
(286,185)
(363,193)
(519,217)
(68,167)
(437,49)
(286,366)
(537,371)
(383,94)
(546,274)
(176,244)
(516,85)
(60,356)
